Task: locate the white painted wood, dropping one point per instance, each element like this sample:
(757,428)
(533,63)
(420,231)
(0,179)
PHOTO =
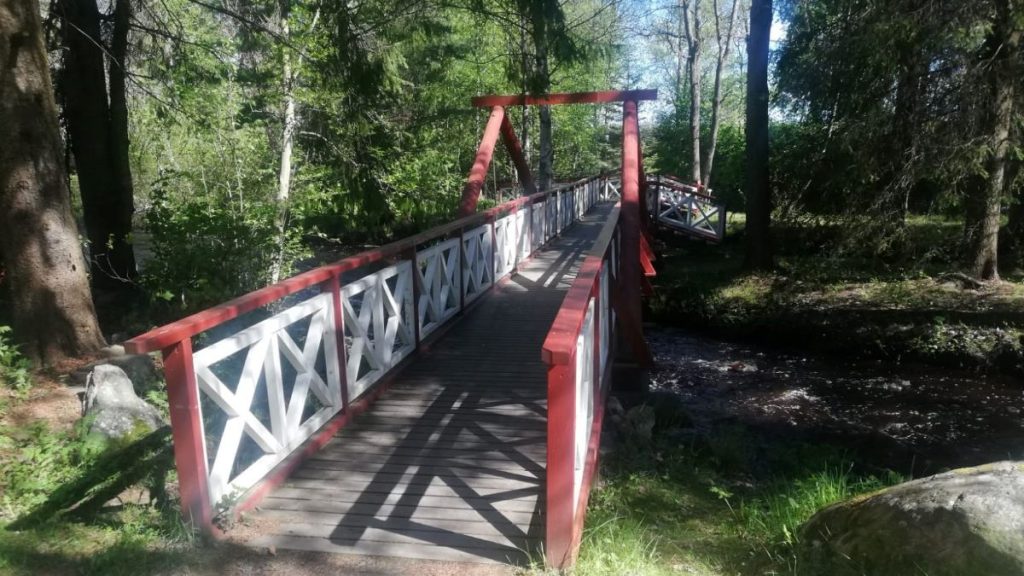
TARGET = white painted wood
(265,343)
(380,331)
(538,224)
(523,229)
(477,262)
(505,248)
(439,271)
(584,420)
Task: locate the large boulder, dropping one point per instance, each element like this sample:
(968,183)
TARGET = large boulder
(963,522)
(141,369)
(115,410)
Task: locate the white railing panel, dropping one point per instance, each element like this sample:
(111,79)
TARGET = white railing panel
(551,218)
(605,316)
(584,397)
(439,272)
(282,403)
(505,245)
(523,229)
(538,223)
(378,313)
(477,262)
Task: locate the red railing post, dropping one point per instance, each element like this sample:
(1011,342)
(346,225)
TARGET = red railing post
(187,433)
(630,307)
(559,523)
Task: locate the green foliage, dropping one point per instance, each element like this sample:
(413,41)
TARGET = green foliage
(15,369)
(206,250)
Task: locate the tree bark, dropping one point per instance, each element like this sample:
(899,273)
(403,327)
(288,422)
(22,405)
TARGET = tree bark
(98,129)
(52,305)
(983,226)
(284,181)
(693,41)
(546,170)
(716,103)
(758,189)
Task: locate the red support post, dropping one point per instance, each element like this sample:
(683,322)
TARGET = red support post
(515,150)
(187,433)
(560,513)
(478,173)
(630,310)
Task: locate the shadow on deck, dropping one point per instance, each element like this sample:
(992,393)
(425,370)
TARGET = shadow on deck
(449,463)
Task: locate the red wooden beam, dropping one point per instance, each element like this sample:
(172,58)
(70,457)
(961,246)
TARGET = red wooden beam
(566,98)
(477,174)
(187,436)
(630,311)
(515,150)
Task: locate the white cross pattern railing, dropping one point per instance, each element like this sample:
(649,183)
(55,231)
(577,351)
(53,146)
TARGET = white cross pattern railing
(686,208)
(249,399)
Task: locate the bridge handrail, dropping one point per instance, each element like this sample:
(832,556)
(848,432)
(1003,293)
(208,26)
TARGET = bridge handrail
(681,187)
(162,337)
(285,383)
(578,350)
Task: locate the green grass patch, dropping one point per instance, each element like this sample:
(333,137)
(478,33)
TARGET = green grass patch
(701,509)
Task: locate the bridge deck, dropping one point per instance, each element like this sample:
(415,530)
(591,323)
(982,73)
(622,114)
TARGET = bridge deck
(449,463)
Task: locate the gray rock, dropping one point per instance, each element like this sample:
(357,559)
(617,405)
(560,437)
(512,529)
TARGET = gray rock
(967,521)
(140,368)
(111,401)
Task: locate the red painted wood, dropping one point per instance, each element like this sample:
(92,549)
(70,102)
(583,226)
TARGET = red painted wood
(559,521)
(334,286)
(170,334)
(630,311)
(477,174)
(560,344)
(566,98)
(515,150)
(187,435)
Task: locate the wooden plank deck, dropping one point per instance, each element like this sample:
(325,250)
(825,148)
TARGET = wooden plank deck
(449,463)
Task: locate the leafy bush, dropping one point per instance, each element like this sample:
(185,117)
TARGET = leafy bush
(15,369)
(206,250)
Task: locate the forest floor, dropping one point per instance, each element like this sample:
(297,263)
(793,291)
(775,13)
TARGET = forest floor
(912,309)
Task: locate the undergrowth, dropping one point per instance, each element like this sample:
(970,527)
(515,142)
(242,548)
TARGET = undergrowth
(701,508)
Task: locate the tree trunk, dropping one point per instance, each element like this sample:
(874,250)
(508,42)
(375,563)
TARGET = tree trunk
(759,251)
(284,180)
(547,153)
(693,40)
(983,227)
(98,129)
(716,103)
(52,306)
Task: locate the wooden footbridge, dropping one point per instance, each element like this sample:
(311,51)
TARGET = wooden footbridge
(440,397)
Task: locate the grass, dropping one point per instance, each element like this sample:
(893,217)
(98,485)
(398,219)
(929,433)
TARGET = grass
(906,307)
(700,509)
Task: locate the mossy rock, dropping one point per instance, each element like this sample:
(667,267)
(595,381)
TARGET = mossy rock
(964,522)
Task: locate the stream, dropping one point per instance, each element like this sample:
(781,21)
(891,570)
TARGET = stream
(916,420)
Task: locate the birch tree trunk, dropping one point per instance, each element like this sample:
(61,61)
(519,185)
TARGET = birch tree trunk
(693,41)
(724,43)
(284,180)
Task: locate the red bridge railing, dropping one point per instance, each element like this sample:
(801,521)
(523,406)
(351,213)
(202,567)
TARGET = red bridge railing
(283,368)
